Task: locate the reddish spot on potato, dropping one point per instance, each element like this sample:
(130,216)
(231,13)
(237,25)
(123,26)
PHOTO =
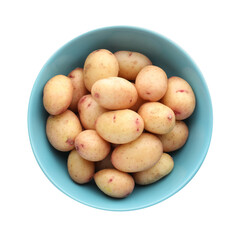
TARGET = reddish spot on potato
(110,179)
(114,118)
(89,104)
(96,95)
(82,145)
(176,112)
(77,148)
(137,129)
(70,141)
(131,100)
(83,99)
(169,117)
(148,93)
(137,121)
(182,90)
(71,76)
(130,54)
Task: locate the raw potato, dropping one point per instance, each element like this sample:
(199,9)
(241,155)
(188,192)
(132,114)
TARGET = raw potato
(151,83)
(162,168)
(80,170)
(180,98)
(91,146)
(138,103)
(114,93)
(104,164)
(138,155)
(114,183)
(157,117)
(89,110)
(119,127)
(176,138)
(99,64)
(79,88)
(62,129)
(57,94)
(130,63)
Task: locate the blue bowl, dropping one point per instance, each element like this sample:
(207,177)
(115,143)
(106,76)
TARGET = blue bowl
(163,53)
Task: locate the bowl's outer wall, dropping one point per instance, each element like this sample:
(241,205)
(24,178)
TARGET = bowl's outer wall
(162,53)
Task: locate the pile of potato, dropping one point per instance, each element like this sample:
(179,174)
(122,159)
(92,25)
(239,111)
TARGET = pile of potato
(119,116)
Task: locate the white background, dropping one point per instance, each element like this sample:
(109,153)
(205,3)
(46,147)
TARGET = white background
(209,207)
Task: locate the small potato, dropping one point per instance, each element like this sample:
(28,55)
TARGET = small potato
(114,183)
(62,129)
(162,168)
(151,83)
(121,126)
(89,110)
(79,88)
(180,98)
(114,93)
(176,138)
(104,164)
(157,117)
(80,170)
(99,64)
(91,146)
(57,95)
(138,103)
(138,155)
(130,63)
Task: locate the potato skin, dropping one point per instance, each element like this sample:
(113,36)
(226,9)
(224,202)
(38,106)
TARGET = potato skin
(79,88)
(80,170)
(139,155)
(119,127)
(130,63)
(114,93)
(151,83)
(162,168)
(99,64)
(114,183)
(57,94)
(176,138)
(89,110)
(157,117)
(91,146)
(180,98)
(62,129)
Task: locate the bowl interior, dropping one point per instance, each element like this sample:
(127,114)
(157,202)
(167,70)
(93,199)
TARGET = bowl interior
(163,53)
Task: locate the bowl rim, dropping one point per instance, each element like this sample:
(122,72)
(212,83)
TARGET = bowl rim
(140,29)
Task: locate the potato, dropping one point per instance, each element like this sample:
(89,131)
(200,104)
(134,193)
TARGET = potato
(138,155)
(176,138)
(180,98)
(157,117)
(104,164)
(162,168)
(138,103)
(91,146)
(114,183)
(121,126)
(80,170)
(130,63)
(89,110)
(62,129)
(57,94)
(114,93)
(79,88)
(99,64)
(151,83)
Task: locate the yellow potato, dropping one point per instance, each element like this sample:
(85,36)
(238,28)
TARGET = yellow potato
(99,64)
(89,110)
(130,63)
(157,117)
(180,98)
(80,170)
(114,93)
(151,83)
(104,164)
(79,88)
(91,146)
(139,155)
(62,129)
(176,138)
(121,126)
(114,183)
(162,168)
(57,94)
